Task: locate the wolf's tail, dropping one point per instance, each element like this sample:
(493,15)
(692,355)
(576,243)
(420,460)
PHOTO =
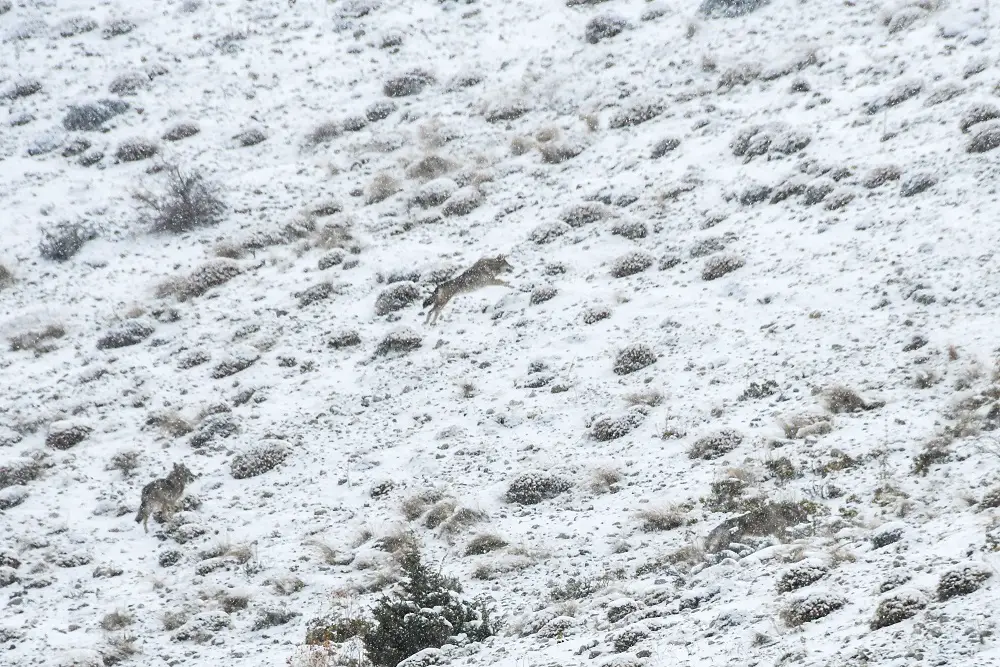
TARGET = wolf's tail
(141,514)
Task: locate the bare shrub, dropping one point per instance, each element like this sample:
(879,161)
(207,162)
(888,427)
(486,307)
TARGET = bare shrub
(429,168)
(661,518)
(605,480)
(416,505)
(116,620)
(323,133)
(962,580)
(484,543)
(38,340)
(125,462)
(211,274)
(595,314)
(188,203)
(648,397)
(557,152)
(61,242)
(839,399)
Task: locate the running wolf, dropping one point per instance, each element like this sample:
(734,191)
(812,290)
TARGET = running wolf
(481,274)
(163,493)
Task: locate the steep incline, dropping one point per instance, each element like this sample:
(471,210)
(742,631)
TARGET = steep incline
(755,276)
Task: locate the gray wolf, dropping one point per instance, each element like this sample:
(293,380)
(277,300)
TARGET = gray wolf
(481,274)
(163,493)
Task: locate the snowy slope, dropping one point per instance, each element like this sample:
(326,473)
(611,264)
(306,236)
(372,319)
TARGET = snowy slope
(772,130)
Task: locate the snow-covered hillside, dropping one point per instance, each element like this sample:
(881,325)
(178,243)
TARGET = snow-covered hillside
(739,407)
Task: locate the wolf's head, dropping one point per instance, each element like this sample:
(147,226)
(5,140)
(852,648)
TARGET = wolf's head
(500,264)
(183,473)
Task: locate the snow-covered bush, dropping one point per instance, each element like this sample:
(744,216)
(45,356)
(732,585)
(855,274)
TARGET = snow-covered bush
(401,340)
(344,339)
(131,332)
(604,26)
(129,83)
(205,277)
(632,358)
(715,445)
(916,183)
(425,612)
(632,231)
(579,215)
(962,580)
(181,131)
(896,607)
(801,574)
(986,138)
(410,83)
(398,296)
(463,202)
(631,263)
(547,232)
(381,188)
(720,265)
(729,8)
(635,115)
(595,314)
(978,113)
(810,606)
(91,117)
(533,487)
(22,88)
(257,460)
(434,193)
(880,175)
(612,427)
(542,294)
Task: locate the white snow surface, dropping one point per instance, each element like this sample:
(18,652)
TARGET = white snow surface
(827,295)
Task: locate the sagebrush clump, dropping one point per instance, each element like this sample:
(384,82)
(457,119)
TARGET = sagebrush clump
(257,460)
(533,488)
(633,358)
(810,607)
